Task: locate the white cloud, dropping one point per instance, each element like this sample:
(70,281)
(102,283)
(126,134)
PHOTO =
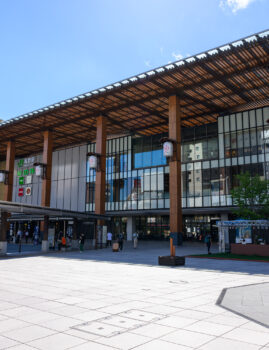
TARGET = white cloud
(177,56)
(235,5)
(148,64)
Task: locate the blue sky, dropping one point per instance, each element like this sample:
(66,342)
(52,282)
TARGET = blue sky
(54,49)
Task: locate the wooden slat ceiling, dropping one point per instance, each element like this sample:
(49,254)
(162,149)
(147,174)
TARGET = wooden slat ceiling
(231,78)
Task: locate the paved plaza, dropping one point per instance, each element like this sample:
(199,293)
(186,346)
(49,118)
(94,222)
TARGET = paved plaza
(99,300)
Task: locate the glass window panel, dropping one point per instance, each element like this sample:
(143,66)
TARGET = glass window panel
(206,182)
(213,148)
(266,138)
(233,145)
(253,141)
(160,203)
(121,144)
(197,165)
(201,150)
(153,182)
(198,183)
(188,152)
(245,120)
(166,185)
(198,201)
(184,183)
(206,165)
(247,150)
(252,119)
(240,143)
(215,181)
(221,146)
(207,201)
(259,117)
(220,124)
(160,182)
(266,115)
(214,163)
(227,144)
(239,121)
(227,123)
(138,152)
(129,142)
(117,145)
(154,204)
(232,121)
(125,143)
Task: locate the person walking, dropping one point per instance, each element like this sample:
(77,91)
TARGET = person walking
(208,242)
(109,239)
(19,235)
(81,242)
(120,241)
(135,239)
(26,236)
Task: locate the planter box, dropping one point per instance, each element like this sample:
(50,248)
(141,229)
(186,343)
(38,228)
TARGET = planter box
(250,249)
(171,260)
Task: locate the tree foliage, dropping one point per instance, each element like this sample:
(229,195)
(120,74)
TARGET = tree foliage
(251,197)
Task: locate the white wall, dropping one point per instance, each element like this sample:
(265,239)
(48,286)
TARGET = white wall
(68,180)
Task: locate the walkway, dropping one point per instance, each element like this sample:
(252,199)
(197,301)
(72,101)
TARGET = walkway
(93,301)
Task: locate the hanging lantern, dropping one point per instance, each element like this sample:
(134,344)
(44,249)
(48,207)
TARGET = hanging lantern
(93,162)
(39,170)
(3,176)
(168,149)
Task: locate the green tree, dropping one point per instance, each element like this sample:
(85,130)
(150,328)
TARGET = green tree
(251,197)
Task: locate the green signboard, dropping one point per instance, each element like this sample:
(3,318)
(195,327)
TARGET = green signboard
(21,162)
(21,180)
(19,172)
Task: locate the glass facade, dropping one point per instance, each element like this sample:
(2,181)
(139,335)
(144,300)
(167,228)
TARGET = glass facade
(137,175)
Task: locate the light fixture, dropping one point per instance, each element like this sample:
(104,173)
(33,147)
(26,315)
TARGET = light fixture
(168,147)
(40,170)
(94,160)
(4,176)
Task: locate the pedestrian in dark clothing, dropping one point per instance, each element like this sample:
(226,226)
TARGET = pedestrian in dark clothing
(81,242)
(120,241)
(208,242)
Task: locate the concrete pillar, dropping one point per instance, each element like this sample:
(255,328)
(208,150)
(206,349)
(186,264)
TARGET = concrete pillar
(176,220)
(46,185)
(130,228)
(100,183)
(10,158)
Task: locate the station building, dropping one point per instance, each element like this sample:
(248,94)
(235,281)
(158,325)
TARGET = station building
(213,107)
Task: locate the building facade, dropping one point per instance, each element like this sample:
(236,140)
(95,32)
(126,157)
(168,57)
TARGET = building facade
(137,175)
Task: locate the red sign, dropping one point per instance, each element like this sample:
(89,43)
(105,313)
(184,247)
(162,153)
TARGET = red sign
(20,193)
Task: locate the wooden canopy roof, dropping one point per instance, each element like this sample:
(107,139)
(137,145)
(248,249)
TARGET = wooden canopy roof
(222,80)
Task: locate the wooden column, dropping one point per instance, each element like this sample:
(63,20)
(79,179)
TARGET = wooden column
(175,165)
(46,182)
(10,158)
(100,183)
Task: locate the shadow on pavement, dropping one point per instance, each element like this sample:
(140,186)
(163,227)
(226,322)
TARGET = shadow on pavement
(147,253)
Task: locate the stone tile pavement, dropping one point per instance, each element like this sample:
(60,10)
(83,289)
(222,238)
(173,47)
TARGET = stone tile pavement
(100,300)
